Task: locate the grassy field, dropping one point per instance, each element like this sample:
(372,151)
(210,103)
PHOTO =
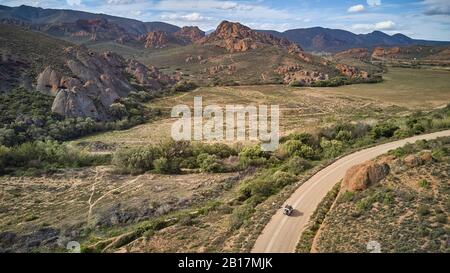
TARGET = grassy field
(413,88)
(306,109)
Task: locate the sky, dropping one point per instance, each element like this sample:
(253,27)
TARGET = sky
(420,19)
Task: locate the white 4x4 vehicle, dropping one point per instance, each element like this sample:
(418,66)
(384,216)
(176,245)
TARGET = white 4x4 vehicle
(287,210)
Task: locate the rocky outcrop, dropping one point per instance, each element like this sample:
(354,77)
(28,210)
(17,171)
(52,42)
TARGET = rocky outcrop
(352,72)
(380,53)
(362,176)
(355,53)
(214,70)
(157,39)
(149,77)
(162,39)
(299,75)
(189,34)
(235,37)
(97,81)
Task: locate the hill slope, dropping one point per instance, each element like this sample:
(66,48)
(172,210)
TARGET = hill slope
(236,54)
(80,26)
(408,211)
(334,40)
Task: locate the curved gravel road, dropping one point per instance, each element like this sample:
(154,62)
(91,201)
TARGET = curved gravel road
(282,233)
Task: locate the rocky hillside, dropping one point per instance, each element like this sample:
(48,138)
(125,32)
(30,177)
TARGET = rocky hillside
(411,53)
(97,81)
(162,39)
(84,83)
(78,25)
(235,37)
(335,40)
(235,54)
(400,200)
(436,53)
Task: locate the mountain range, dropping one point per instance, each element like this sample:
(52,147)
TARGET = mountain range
(333,40)
(83,26)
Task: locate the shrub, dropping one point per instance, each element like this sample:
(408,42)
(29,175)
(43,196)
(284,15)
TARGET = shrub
(424,184)
(297,148)
(439,154)
(280,179)
(386,130)
(209,163)
(296,165)
(44,156)
(331,148)
(164,165)
(240,215)
(4,158)
(219,149)
(184,86)
(423,210)
(344,135)
(253,156)
(137,160)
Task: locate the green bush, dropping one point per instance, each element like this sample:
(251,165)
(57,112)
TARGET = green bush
(386,130)
(44,156)
(219,149)
(296,165)
(4,158)
(439,154)
(253,156)
(332,148)
(240,216)
(344,135)
(136,160)
(184,86)
(424,184)
(297,148)
(209,163)
(164,165)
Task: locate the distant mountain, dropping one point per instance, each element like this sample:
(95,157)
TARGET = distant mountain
(71,23)
(334,40)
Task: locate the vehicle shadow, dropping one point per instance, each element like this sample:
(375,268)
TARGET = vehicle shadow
(296,213)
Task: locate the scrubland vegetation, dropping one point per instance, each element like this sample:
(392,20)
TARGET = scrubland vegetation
(406,212)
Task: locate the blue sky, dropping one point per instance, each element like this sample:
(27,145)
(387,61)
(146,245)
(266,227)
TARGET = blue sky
(424,19)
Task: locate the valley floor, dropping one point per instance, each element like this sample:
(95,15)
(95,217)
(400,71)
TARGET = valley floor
(116,212)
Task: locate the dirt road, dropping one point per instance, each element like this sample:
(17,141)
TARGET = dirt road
(282,233)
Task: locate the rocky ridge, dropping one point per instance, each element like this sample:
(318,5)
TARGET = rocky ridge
(97,81)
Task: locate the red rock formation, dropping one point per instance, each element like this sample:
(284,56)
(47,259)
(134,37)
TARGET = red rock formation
(189,34)
(238,38)
(157,39)
(99,80)
(355,53)
(360,177)
(352,72)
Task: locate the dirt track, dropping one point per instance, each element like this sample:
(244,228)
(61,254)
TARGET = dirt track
(282,233)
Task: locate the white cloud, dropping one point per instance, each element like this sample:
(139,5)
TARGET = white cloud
(437,7)
(356,8)
(384,25)
(120,2)
(74,2)
(190,17)
(374,3)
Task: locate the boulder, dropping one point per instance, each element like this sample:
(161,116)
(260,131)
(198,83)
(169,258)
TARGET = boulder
(76,104)
(48,82)
(362,176)
(412,161)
